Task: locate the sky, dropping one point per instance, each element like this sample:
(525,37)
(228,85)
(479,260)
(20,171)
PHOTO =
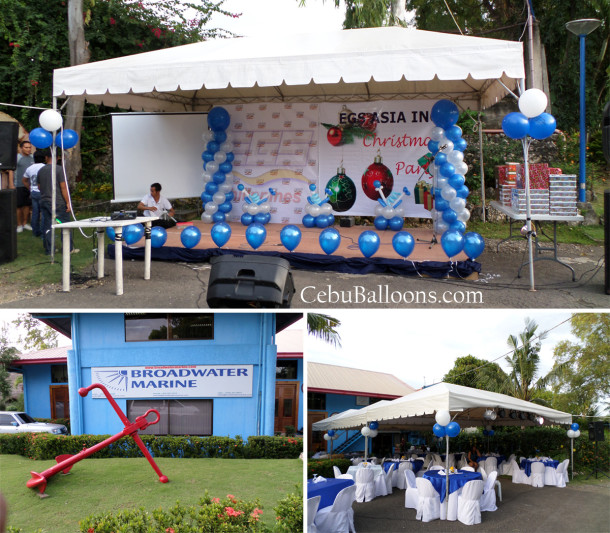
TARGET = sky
(420,346)
(276,17)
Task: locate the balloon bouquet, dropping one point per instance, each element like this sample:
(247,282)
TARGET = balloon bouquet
(318,211)
(255,208)
(388,212)
(450,214)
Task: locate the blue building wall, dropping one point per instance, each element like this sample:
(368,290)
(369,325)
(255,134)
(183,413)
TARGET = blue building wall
(36,394)
(99,340)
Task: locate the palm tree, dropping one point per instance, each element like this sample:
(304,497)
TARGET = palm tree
(324,327)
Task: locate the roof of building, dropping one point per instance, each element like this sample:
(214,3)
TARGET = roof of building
(354,382)
(50,355)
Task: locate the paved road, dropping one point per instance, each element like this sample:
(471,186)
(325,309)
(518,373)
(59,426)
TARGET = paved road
(184,285)
(585,509)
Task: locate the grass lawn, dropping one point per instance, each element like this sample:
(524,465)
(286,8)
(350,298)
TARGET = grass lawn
(96,485)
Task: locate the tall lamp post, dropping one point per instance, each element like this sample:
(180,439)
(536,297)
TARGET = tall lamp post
(582,28)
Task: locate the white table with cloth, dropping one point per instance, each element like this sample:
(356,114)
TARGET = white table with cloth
(327,490)
(438,479)
(526,464)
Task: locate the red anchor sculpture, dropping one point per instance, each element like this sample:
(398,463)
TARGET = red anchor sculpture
(66,462)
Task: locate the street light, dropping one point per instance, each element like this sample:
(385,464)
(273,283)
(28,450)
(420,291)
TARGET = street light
(582,28)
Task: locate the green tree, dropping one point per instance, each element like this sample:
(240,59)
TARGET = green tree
(371,13)
(33,334)
(8,354)
(584,383)
(470,371)
(324,327)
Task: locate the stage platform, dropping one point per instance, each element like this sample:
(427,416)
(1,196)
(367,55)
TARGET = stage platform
(425,260)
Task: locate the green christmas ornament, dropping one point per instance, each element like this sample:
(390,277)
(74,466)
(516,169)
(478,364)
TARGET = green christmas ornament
(342,194)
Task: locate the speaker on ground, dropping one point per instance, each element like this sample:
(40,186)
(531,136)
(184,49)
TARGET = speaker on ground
(8,225)
(9,135)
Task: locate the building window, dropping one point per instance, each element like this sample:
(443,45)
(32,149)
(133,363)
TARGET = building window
(177,417)
(285,369)
(316,401)
(172,327)
(59,373)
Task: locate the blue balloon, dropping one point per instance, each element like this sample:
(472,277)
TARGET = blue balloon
(449,216)
(515,125)
(290,237)
(396,223)
(207,156)
(218,119)
(574,427)
(368,242)
(374,425)
(133,233)
(213,147)
(456,181)
(452,242)
(447,170)
(225,167)
(220,233)
(158,237)
(247,219)
(261,218)
(463,192)
(41,138)
(542,126)
(485,433)
(458,225)
(309,221)
(256,234)
(433,147)
(330,240)
(229,196)
(225,207)
(68,139)
(218,177)
(454,133)
(331,432)
(444,114)
(403,243)
(440,159)
(473,245)
(211,188)
(219,216)
(438,430)
(230,157)
(321,221)
(110,233)
(440,204)
(220,137)
(331,219)
(452,429)
(205,197)
(460,145)
(190,236)
(381,223)
(491,432)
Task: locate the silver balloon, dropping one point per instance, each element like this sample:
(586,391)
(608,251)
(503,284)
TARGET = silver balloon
(437,133)
(219,197)
(264,208)
(448,192)
(244,207)
(211,207)
(227,146)
(464,215)
(315,210)
(400,212)
(388,212)
(327,209)
(220,157)
(441,182)
(461,168)
(308,207)
(441,226)
(206,176)
(455,157)
(378,210)
(207,136)
(253,209)
(207,218)
(447,146)
(211,166)
(226,187)
(457,204)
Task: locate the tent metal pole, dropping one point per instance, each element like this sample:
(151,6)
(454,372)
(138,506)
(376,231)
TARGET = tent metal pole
(53,188)
(482,166)
(528,212)
(446,503)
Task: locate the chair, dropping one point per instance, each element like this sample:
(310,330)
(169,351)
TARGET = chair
(427,460)
(491,465)
(561,474)
(469,507)
(468,468)
(463,462)
(481,465)
(537,474)
(435,467)
(357,461)
(339,475)
(400,476)
(565,462)
(365,485)
(507,469)
(550,476)
(312,509)
(519,476)
(411,494)
(339,518)
(428,501)
(488,498)
(483,473)
(381,488)
(451,460)
(389,476)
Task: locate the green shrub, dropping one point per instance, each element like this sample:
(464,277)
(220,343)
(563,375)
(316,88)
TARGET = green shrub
(274,447)
(324,467)
(289,512)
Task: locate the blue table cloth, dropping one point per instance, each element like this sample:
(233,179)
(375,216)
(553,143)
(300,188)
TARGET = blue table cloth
(526,464)
(417,465)
(328,490)
(456,481)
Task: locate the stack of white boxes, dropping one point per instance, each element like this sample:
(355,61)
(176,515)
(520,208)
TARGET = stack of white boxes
(539,201)
(563,195)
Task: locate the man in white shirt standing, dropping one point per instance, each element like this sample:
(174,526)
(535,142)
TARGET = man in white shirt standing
(155,205)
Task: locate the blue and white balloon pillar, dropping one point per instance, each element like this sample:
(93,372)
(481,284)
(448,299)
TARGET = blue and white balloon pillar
(217,167)
(330,436)
(531,123)
(573,433)
(444,427)
(369,432)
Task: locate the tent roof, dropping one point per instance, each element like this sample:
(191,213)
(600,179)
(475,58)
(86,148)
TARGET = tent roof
(467,405)
(347,65)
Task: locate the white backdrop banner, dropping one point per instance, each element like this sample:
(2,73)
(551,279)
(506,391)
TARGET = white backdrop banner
(184,381)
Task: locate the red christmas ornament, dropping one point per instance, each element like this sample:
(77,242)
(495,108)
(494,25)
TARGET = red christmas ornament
(377,172)
(368,122)
(334,136)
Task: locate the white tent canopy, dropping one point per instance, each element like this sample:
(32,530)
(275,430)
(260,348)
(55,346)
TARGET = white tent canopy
(466,405)
(349,65)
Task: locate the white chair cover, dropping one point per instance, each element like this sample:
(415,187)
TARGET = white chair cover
(468,468)
(357,461)
(339,475)
(469,507)
(566,477)
(428,501)
(537,474)
(312,509)
(519,476)
(399,477)
(414,456)
(561,473)
(389,476)
(373,460)
(491,465)
(338,518)
(463,462)
(550,476)
(483,473)
(507,469)
(435,467)
(481,465)
(488,499)
(427,460)
(380,487)
(451,460)
(365,485)
(411,494)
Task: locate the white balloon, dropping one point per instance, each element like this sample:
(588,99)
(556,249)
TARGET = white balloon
(448,192)
(533,102)
(400,212)
(206,176)
(457,204)
(220,157)
(461,168)
(443,417)
(229,137)
(308,207)
(315,210)
(441,226)
(577,433)
(264,208)
(378,210)
(227,146)
(207,136)
(366,431)
(388,212)
(437,133)
(219,197)
(373,433)
(226,187)
(211,166)
(327,209)
(211,207)
(206,218)
(455,157)
(326,436)
(50,120)
(570,434)
(441,182)
(253,209)
(464,215)
(244,207)
(447,146)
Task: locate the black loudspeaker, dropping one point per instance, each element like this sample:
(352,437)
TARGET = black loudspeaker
(591,428)
(8,225)
(599,431)
(253,281)
(606,131)
(9,135)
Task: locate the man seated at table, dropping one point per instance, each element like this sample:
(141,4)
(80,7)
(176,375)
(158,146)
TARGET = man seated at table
(155,205)
(473,457)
